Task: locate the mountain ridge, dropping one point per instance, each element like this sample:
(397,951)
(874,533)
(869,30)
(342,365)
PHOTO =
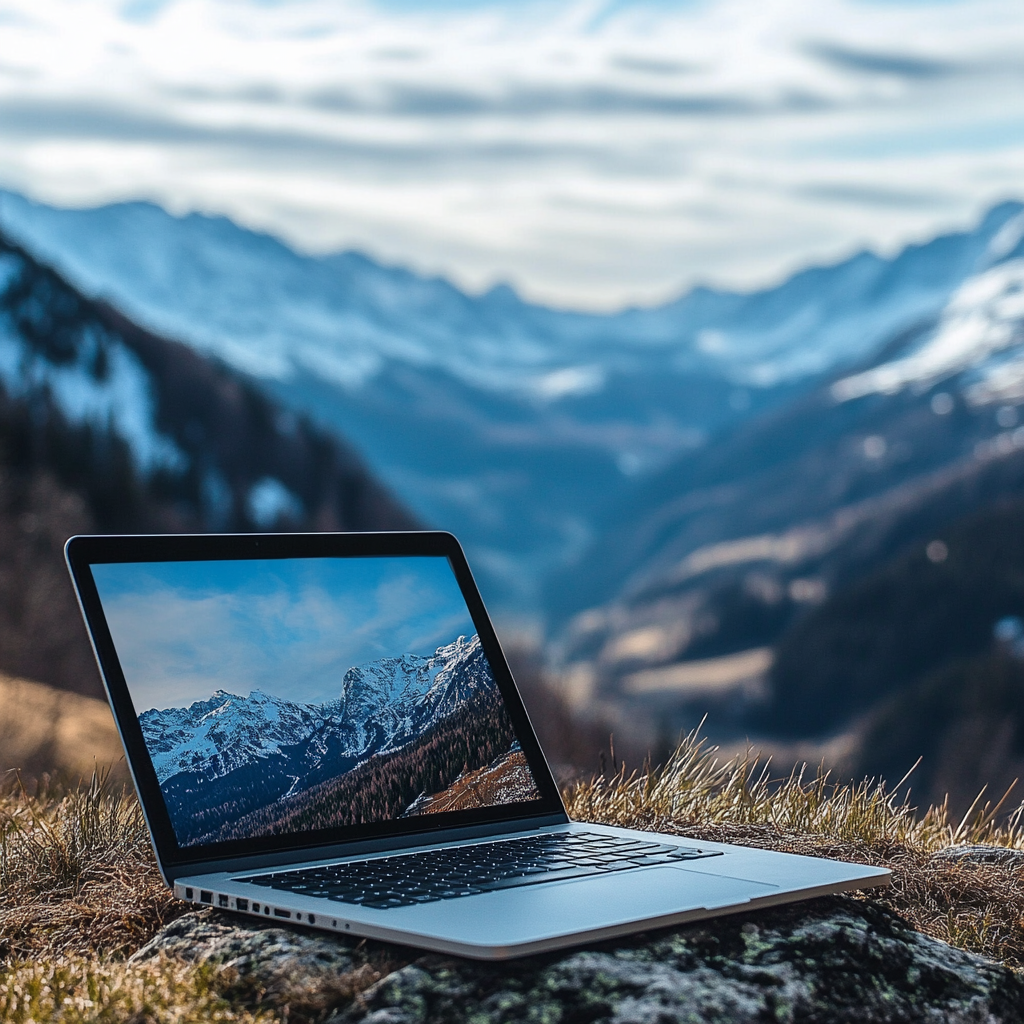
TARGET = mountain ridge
(391,697)
(511,424)
(228,763)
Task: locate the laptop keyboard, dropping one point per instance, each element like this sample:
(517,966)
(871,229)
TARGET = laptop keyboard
(407,879)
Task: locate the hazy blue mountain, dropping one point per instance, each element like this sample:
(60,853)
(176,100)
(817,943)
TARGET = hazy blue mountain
(725,553)
(106,427)
(512,424)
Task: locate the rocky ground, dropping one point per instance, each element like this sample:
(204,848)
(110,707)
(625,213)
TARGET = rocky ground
(832,960)
(89,934)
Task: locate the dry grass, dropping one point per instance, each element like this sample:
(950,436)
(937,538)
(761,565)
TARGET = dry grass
(975,906)
(79,990)
(79,890)
(77,872)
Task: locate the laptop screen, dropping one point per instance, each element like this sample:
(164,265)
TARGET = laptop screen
(279,696)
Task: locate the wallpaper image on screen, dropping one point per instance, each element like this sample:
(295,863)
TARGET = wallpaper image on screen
(280,696)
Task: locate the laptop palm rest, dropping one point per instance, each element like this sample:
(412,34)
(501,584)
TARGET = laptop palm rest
(533,913)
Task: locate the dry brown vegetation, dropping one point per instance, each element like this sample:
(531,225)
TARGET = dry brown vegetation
(44,729)
(976,906)
(77,872)
(79,890)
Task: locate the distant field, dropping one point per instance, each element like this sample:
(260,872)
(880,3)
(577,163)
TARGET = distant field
(44,729)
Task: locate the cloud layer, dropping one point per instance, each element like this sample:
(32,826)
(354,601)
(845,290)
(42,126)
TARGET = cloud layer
(591,153)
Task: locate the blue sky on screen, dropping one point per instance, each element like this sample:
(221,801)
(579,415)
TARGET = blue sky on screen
(289,627)
(590,152)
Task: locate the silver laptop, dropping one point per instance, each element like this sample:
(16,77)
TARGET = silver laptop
(323,730)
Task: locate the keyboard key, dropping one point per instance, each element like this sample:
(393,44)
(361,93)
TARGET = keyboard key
(548,876)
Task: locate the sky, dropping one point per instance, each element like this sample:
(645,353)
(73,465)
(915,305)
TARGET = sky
(288,627)
(592,153)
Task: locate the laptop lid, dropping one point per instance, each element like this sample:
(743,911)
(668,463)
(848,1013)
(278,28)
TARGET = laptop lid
(296,696)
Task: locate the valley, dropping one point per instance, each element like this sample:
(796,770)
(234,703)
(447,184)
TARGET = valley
(522,429)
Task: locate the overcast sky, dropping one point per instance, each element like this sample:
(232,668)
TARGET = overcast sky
(589,153)
(288,627)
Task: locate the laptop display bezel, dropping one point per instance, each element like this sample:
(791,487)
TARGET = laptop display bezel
(84,552)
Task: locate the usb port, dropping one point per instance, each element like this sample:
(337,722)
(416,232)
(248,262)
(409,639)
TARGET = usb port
(223,900)
(188,894)
(205,896)
(281,913)
(241,904)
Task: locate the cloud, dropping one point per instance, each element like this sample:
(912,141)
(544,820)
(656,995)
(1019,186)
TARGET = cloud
(903,65)
(591,154)
(292,629)
(868,195)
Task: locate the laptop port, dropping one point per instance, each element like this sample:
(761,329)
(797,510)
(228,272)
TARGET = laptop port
(311,918)
(188,894)
(205,896)
(255,908)
(278,912)
(241,904)
(223,900)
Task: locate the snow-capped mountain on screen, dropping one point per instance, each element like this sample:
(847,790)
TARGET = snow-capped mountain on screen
(382,706)
(215,736)
(389,702)
(513,425)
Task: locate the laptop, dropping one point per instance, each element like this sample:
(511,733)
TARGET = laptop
(323,730)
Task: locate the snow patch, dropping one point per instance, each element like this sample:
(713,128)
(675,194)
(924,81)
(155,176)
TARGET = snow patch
(119,398)
(269,501)
(982,318)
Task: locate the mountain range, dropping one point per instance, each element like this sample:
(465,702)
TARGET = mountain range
(691,497)
(254,751)
(520,428)
(727,581)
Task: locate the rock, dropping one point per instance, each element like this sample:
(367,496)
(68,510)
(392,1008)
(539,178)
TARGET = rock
(980,853)
(831,960)
(309,972)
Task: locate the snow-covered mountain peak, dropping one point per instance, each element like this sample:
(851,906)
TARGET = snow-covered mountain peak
(278,314)
(384,705)
(983,318)
(224,732)
(1006,239)
(460,647)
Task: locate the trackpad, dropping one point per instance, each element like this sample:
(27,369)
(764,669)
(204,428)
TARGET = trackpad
(667,890)
(560,908)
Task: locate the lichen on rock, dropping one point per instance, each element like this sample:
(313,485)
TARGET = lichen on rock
(309,972)
(833,960)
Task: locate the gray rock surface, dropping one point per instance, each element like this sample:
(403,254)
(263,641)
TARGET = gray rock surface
(981,853)
(831,961)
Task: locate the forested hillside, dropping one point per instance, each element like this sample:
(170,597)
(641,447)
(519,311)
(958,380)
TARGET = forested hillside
(105,427)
